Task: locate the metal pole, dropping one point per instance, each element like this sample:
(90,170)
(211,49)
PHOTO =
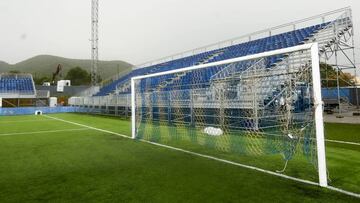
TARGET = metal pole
(133,108)
(337,72)
(169,107)
(354,61)
(94,41)
(338,81)
(192,108)
(319,121)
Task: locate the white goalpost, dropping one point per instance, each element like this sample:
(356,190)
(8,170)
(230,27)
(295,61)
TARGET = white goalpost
(262,110)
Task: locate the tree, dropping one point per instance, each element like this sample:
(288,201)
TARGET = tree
(41,80)
(14,72)
(329,77)
(78,76)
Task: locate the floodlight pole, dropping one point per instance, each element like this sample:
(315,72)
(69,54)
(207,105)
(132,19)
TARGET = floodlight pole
(319,120)
(94,41)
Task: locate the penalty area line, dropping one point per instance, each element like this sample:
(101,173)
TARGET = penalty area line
(214,158)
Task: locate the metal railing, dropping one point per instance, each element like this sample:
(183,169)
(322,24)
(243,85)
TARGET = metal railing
(321,18)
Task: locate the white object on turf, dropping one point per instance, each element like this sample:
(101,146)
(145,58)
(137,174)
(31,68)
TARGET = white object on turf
(213,131)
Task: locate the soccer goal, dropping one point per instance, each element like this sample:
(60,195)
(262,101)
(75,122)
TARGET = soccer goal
(262,110)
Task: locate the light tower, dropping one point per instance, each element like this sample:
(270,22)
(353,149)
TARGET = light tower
(94,41)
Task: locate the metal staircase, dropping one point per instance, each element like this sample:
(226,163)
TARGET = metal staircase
(264,82)
(125,87)
(327,37)
(211,57)
(259,82)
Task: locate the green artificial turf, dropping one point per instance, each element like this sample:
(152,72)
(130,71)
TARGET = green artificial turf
(344,132)
(85,165)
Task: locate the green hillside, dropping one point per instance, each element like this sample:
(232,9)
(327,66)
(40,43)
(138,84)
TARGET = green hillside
(3,64)
(45,65)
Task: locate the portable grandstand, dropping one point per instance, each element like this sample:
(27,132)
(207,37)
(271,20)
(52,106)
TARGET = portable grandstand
(279,41)
(18,96)
(17,86)
(333,31)
(16,89)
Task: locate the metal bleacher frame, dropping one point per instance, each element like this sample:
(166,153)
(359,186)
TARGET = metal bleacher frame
(336,43)
(16,93)
(321,18)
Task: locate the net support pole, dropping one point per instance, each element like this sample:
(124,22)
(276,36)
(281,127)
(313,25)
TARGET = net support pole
(319,121)
(133,109)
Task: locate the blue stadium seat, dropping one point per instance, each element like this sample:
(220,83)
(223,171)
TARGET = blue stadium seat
(274,42)
(16,84)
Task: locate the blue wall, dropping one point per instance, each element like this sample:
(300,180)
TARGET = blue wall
(326,94)
(333,93)
(31,110)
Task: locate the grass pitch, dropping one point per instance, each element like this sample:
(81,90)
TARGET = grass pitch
(42,159)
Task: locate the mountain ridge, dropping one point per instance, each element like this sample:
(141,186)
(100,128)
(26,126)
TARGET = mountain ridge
(45,65)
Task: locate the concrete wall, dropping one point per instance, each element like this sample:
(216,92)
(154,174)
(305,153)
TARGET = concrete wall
(345,92)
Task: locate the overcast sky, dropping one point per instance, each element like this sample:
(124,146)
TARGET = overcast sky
(140,30)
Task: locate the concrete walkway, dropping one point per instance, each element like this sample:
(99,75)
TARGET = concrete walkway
(348,118)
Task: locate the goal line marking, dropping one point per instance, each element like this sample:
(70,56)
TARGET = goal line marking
(213,158)
(45,131)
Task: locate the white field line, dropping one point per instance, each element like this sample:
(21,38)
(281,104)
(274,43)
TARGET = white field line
(344,191)
(327,140)
(343,142)
(214,158)
(86,126)
(41,132)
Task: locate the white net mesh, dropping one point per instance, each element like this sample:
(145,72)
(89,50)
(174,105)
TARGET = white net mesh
(258,112)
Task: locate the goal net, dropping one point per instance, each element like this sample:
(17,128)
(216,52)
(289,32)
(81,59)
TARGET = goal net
(262,110)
